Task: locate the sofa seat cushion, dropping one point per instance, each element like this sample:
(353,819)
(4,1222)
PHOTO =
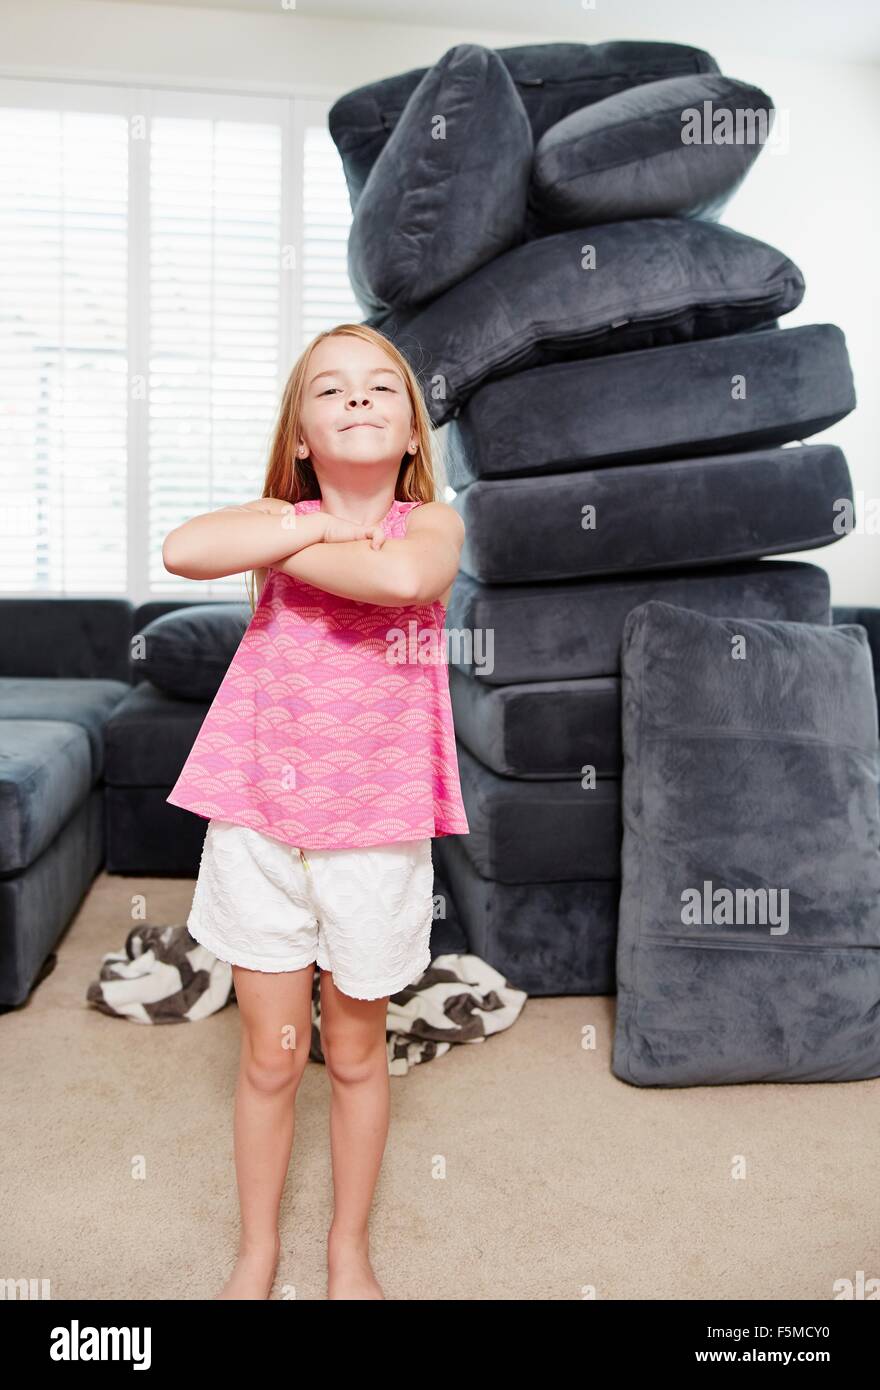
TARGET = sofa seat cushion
(45,775)
(504,633)
(88,703)
(602,289)
(540,831)
(539,729)
(717,395)
(654,516)
(149,737)
(749,933)
(545,938)
(442,201)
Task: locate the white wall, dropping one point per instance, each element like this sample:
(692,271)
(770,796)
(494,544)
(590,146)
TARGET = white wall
(817,200)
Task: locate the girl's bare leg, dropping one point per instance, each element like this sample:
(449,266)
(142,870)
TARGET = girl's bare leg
(355,1053)
(276,1029)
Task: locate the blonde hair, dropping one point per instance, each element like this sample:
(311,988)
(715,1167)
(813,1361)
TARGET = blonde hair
(293,479)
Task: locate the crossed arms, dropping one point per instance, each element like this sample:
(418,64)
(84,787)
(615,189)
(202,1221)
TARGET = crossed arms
(267,533)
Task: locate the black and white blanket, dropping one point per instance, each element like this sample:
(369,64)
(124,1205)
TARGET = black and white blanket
(164,976)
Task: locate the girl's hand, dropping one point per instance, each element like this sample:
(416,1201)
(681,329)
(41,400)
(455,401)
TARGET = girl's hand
(336,528)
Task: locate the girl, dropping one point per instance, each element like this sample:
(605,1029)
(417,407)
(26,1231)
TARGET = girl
(324,767)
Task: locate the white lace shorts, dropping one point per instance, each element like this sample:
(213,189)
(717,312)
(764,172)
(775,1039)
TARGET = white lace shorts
(363,914)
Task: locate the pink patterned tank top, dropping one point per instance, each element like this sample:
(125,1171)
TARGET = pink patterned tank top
(332,727)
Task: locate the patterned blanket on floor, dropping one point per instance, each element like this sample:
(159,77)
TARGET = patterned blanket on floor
(164,976)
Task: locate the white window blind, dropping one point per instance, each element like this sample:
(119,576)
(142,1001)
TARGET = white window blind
(326,288)
(63,311)
(215,309)
(166,257)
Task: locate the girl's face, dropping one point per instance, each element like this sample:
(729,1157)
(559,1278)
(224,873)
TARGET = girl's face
(355,406)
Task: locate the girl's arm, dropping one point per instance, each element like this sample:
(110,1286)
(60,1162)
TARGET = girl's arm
(249,537)
(417,569)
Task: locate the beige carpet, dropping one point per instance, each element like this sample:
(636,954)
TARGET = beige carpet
(559,1179)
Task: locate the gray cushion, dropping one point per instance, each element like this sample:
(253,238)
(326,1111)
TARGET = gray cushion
(545,938)
(747,774)
(503,633)
(629,155)
(540,302)
(539,729)
(187,651)
(442,201)
(150,736)
(46,774)
(552,78)
(70,638)
(88,703)
(540,832)
(656,403)
(653,515)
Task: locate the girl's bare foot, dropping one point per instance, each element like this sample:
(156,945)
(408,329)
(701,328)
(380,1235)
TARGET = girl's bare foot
(349,1272)
(254,1272)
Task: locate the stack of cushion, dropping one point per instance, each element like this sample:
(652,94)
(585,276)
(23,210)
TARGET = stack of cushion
(536,229)
(537,880)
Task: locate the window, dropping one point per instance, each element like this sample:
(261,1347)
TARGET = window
(166,255)
(326,219)
(215,281)
(64,220)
